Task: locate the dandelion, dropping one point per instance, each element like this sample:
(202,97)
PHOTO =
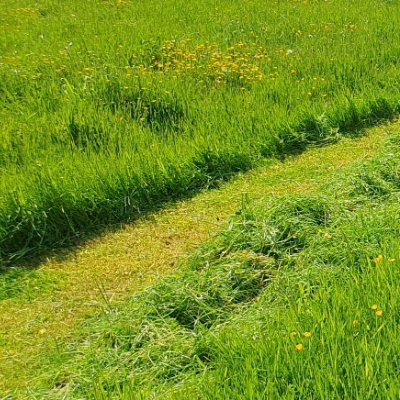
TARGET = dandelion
(378,259)
(379,313)
(374,307)
(299,347)
(307,334)
(391,260)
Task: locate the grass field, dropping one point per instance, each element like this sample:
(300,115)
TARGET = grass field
(111,108)
(119,280)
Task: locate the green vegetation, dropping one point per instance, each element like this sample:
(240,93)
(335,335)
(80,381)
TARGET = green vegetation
(111,108)
(297,298)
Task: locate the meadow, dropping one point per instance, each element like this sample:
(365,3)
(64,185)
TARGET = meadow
(113,108)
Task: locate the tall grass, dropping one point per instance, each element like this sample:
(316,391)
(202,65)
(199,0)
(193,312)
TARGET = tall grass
(111,108)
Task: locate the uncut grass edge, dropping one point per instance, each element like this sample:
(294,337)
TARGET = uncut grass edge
(52,217)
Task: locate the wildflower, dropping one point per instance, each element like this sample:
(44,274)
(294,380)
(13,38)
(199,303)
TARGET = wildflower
(378,259)
(293,333)
(307,334)
(379,313)
(374,307)
(299,347)
(391,260)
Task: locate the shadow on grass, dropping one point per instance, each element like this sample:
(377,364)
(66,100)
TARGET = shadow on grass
(208,170)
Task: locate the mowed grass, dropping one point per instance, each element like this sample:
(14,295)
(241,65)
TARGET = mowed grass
(297,298)
(40,309)
(111,108)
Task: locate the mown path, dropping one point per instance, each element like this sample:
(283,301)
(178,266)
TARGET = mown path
(40,317)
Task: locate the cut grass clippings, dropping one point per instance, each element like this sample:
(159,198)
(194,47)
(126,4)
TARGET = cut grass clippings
(297,298)
(131,258)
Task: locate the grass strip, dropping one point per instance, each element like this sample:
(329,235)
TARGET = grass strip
(244,309)
(67,289)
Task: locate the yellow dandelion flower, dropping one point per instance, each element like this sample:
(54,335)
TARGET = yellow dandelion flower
(374,307)
(378,259)
(391,260)
(379,313)
(307,334)
(299,347)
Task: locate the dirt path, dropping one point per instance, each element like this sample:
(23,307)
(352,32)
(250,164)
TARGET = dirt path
(119,263)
